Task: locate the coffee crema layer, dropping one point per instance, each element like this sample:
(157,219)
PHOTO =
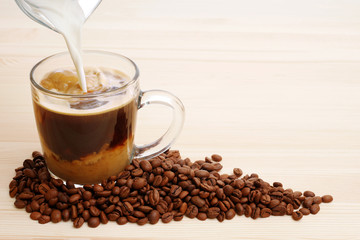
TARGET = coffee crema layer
(98,80)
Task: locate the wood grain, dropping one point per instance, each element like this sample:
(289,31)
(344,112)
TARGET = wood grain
(273,86)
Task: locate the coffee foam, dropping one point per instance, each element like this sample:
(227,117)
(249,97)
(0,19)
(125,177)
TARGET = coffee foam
(99,81)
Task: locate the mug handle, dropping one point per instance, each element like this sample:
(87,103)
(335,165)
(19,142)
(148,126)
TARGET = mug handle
(162,144)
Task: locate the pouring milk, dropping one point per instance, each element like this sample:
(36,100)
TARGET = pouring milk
(67,18)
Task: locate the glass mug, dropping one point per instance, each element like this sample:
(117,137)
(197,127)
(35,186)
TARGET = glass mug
(87,138)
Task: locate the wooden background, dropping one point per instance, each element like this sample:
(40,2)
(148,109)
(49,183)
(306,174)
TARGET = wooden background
(273,86)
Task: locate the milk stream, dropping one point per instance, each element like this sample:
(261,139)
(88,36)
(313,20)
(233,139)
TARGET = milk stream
(68,17)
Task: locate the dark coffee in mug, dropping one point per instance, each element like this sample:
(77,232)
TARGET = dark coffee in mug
(86,141)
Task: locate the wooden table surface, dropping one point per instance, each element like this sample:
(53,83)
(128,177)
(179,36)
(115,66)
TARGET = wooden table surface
(272,86)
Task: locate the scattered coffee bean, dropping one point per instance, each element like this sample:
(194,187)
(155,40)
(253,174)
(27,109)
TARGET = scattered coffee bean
(78,222)
(327,198)
(317,200)
(297,215)
(238,172)
(44,219)
(122,220)
(143,221)
(154,216)
(93,222)
(201,216)
(309,194)
(230,214)
(216,158)
(305,211)
(167,217)
(35,215)
(164,188)
(314,209)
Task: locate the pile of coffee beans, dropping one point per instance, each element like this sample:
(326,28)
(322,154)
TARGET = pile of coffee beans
(164,188)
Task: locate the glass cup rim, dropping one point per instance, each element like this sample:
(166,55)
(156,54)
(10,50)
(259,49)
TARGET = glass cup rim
(100,52)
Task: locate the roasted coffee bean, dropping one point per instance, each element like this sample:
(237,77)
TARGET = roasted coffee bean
(201,216)
(178,217)
(98,188)
(47,211)
(74,198)
(309,194)
(13,191)
(308,202)
(202,174)
(175,191)
(216,157)
(51,193)
(198,201)
(167,217)
(228,190)
(55,216)
(277,184)
(256,213)
(230,214)
(26,195)
(36,154)
(145,165)
(154,216)
(87,195)
(247,211)
(289,209)
(314,209)
(317,200)
(239,209)
(65,214)
(124,192)
(78,222)
(109,209)
(94,211)
(265,212)
(145,209)
(122,220)
(138,214)
(19,203)
(142,221)
(28,163)
(44,219)
(139,183)
(221,217)
(74,212)
(93,222)
(28,208)
(103,218)
(305,211)
(35,215)
(238,172)
(297,215)
(137,172)
(327,198)
(213,212)
(29,173)
(154,197)
(191,211)
(279,210)
(105,193)
(132,219)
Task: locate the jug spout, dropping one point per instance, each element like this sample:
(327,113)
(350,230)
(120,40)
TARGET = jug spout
(35,10)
